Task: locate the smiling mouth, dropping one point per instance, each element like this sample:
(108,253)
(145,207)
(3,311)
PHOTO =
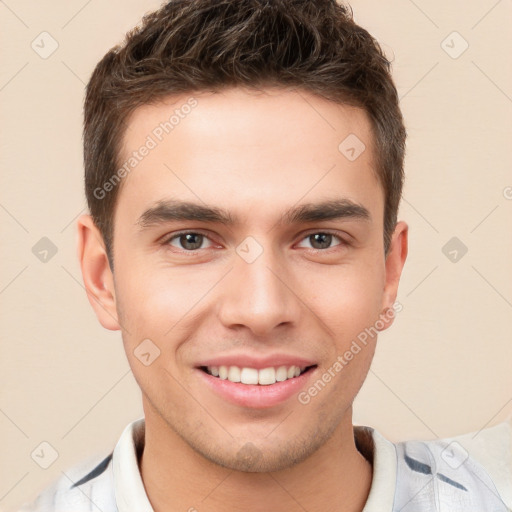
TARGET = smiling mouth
(253,376)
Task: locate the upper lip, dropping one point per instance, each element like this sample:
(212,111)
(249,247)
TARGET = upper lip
(247,361)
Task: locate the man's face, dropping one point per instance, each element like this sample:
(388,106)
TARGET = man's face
(265,290)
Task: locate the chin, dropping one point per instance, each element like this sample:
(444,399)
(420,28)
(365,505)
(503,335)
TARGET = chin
(252,457)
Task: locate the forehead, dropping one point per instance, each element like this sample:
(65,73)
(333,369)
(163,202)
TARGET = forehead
(248,149)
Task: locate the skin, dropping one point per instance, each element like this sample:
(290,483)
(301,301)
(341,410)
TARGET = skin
(255,154)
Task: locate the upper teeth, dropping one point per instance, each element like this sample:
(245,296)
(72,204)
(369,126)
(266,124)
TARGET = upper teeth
(264,376)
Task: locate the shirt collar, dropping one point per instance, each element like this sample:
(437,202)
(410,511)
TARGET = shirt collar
(128,486)
(382,455)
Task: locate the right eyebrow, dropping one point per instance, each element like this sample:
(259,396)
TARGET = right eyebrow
(169,210)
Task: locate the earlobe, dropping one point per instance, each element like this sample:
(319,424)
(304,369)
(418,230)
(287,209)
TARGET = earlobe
(96,272)
(394,265)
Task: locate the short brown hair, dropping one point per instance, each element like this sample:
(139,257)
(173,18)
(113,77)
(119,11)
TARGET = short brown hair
(207,45)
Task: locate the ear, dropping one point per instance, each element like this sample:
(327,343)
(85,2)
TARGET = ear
(395,261)
(96,272)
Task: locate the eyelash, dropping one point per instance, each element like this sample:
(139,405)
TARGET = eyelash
(192,252)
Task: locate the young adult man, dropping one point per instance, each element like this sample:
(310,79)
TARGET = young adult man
(244,166)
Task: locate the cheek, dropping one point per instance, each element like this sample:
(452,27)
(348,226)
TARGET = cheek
(350,310)
(163,306)
(350,302)
(150,313)
(154,299)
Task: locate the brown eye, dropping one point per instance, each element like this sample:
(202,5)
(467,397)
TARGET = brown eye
(188,241)
(322,240)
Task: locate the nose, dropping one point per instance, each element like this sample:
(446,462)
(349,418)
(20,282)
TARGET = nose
(259,296)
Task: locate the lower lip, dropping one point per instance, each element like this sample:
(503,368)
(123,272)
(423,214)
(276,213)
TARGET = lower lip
(256,396)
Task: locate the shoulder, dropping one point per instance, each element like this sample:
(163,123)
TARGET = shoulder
(467,472)
(85,487)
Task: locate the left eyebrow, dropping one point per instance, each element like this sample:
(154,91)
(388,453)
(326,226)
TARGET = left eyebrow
(327,210)
(172,210)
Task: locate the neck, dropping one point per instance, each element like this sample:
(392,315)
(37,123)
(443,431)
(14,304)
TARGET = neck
(176,478)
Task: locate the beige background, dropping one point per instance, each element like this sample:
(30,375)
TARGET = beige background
(445,366)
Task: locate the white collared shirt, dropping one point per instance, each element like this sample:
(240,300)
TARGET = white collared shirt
(460,474)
